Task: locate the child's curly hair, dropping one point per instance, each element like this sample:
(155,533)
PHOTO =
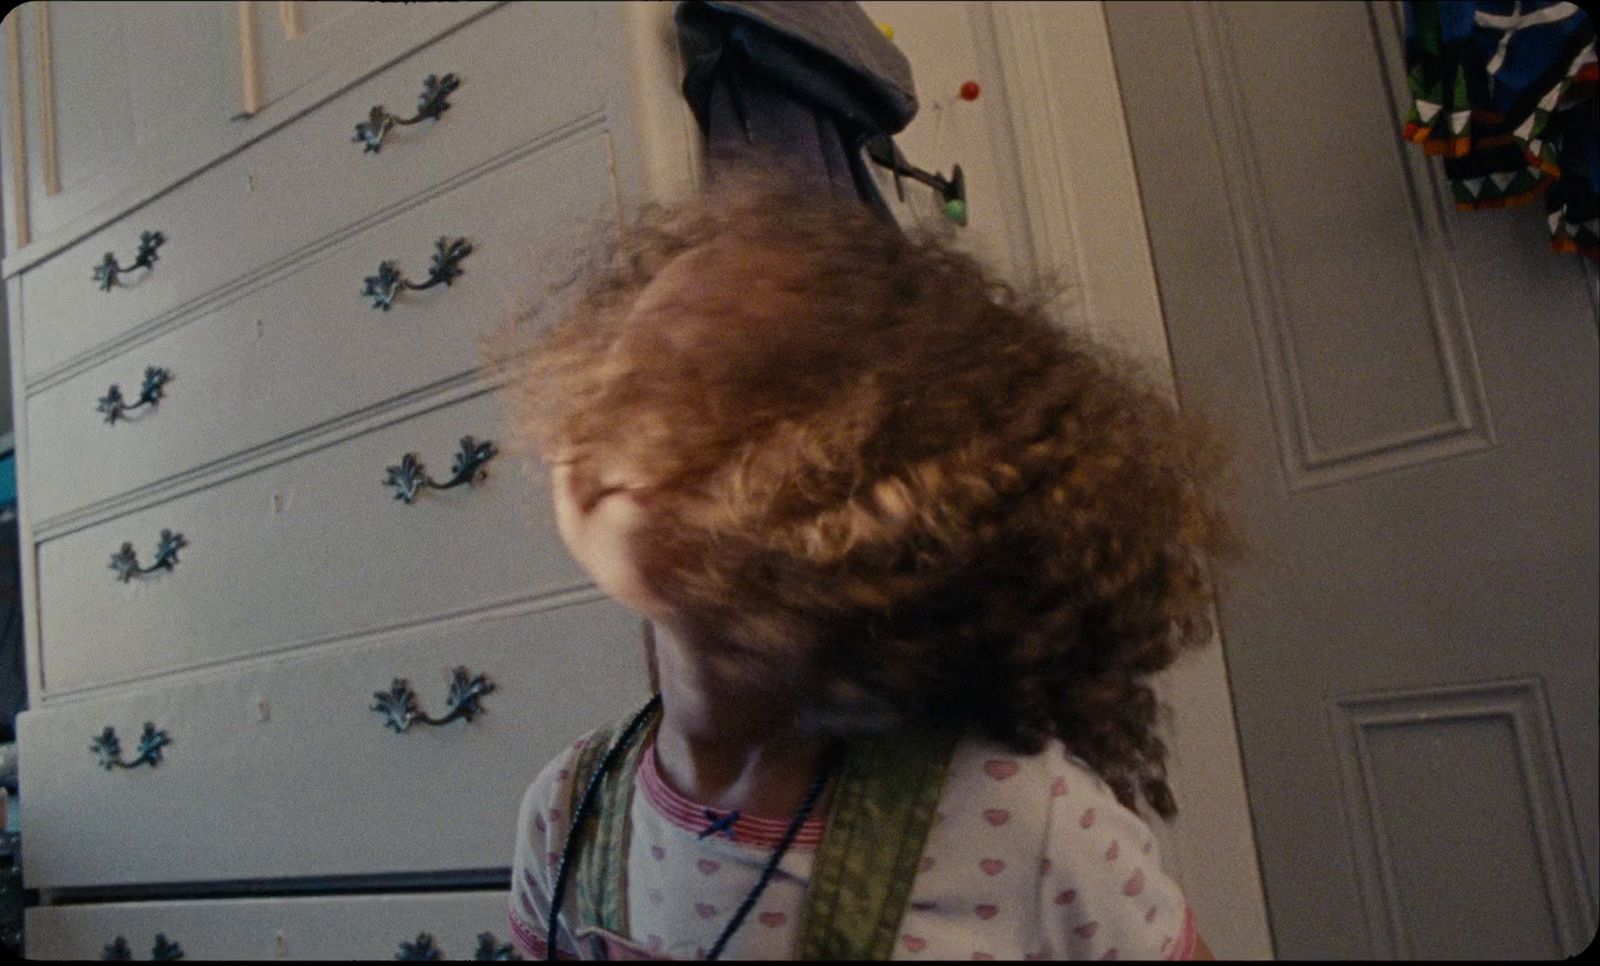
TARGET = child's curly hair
(882,474)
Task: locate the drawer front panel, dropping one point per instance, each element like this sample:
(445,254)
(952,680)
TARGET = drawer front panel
(308,549)
(363,928)
(307,348)
(526,70)
(283,770)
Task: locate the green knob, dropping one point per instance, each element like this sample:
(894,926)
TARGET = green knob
(956,210)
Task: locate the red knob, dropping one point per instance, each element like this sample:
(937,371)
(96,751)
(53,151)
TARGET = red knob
(970,91)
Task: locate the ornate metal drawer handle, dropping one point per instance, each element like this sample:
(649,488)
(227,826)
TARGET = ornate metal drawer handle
(488,950)
(399,703)
(444,269)
(126,563)
(162,951)
(108,271)
(409,477)
(115,407)
(420,951)
(435,90)
(109,749)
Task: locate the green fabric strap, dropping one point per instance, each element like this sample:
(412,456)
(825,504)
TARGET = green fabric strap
(601,876)
(877,828)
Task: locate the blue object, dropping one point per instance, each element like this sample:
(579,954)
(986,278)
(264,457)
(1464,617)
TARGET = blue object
(8,480)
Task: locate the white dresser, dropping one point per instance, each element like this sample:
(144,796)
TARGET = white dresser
(244,603)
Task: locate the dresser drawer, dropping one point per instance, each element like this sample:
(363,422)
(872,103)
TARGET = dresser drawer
(306,347)
(370,928)
(312,548)
(281,769)
(527,71)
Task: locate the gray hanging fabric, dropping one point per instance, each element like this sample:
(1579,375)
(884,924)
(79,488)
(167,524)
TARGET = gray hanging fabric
(800,84)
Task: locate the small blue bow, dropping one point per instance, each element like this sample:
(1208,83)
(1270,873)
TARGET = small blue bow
(723,824)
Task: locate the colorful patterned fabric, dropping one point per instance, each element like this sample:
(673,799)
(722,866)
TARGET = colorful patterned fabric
(1504,92)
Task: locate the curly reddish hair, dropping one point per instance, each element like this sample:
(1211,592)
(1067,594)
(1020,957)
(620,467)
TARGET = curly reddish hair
(884,475)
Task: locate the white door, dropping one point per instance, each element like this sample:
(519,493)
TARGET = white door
(1414,392)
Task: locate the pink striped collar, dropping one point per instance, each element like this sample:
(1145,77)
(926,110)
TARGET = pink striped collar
(692,816)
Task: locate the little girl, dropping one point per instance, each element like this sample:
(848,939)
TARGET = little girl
(911,551)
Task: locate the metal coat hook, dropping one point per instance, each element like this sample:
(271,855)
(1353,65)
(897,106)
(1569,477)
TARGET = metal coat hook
(883,151)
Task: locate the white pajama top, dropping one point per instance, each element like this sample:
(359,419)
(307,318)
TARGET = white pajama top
(1029,857)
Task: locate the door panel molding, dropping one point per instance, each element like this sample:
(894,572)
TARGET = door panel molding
(1424,725)
(1453,419)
